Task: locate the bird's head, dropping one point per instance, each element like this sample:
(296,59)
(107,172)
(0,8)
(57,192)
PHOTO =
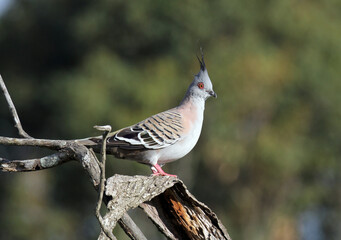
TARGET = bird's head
(202,86)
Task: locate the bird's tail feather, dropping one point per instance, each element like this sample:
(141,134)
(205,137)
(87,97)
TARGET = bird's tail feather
(93,141)
(90,141)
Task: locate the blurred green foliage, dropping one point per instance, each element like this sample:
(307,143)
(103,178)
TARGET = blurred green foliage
(268,159)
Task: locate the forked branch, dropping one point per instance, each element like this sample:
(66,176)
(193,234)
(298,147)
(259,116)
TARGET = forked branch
(67,151)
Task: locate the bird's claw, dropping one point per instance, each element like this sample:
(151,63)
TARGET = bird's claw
(157,171)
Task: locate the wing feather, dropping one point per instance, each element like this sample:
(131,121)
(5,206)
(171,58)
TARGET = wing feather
(156,132)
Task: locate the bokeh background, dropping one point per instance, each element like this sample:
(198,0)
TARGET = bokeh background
(268,160)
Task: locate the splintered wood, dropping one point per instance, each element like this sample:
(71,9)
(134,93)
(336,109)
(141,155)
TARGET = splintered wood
(167,203)
(180,216)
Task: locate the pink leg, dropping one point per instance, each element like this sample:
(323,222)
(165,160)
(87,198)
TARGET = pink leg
(157,170)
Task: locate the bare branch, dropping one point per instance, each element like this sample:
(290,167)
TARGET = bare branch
(103,236)
(34,164)
(172,210)
(75,151)
(46,143)
(89,162)
(107,231)
(127,224)
(72,150)
(13,110)
(130,228)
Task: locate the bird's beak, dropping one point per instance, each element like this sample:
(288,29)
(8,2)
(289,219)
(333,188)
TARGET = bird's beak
(212,93)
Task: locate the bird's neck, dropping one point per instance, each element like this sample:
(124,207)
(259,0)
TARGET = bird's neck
(191,101)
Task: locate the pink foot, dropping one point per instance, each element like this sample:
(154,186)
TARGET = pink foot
(157,171)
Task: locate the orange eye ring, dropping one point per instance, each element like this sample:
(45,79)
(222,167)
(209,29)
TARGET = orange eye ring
(201,85)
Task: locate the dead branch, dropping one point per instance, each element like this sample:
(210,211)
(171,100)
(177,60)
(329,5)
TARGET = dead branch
(179,215)
(34,164)
(165,200)
(108,232)
(67,151)
(130,228)
(13,110)
(45,143)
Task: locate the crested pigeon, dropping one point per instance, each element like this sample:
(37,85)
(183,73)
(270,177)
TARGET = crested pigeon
(166,136)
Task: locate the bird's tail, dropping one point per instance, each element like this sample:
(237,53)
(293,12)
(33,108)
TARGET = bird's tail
(94,142)
(90,141)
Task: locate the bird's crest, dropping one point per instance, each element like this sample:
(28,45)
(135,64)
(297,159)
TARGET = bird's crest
(201,61)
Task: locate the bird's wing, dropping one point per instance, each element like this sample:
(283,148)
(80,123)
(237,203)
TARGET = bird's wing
(155,132)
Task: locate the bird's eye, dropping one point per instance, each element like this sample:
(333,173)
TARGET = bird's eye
(201,85)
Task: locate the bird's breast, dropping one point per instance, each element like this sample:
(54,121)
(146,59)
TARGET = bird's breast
(193,120)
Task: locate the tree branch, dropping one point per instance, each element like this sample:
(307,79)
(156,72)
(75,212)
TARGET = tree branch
(13,110)
(125,221)
(107,231)
(130,228)
(68,150)
(35,164)
(165,200)
(45,143)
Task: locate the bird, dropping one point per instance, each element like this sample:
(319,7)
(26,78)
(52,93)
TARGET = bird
(166,136)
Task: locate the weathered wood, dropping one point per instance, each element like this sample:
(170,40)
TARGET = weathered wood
(34,142)
(167,202)
(129,192)
(35,164)
(181,216)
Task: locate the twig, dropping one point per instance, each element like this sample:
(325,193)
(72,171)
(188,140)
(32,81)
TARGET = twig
(130,228)
(13,110)
(35,164)
(108,232)
(127,224)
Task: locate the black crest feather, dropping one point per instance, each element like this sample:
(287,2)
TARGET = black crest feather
(201,61)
